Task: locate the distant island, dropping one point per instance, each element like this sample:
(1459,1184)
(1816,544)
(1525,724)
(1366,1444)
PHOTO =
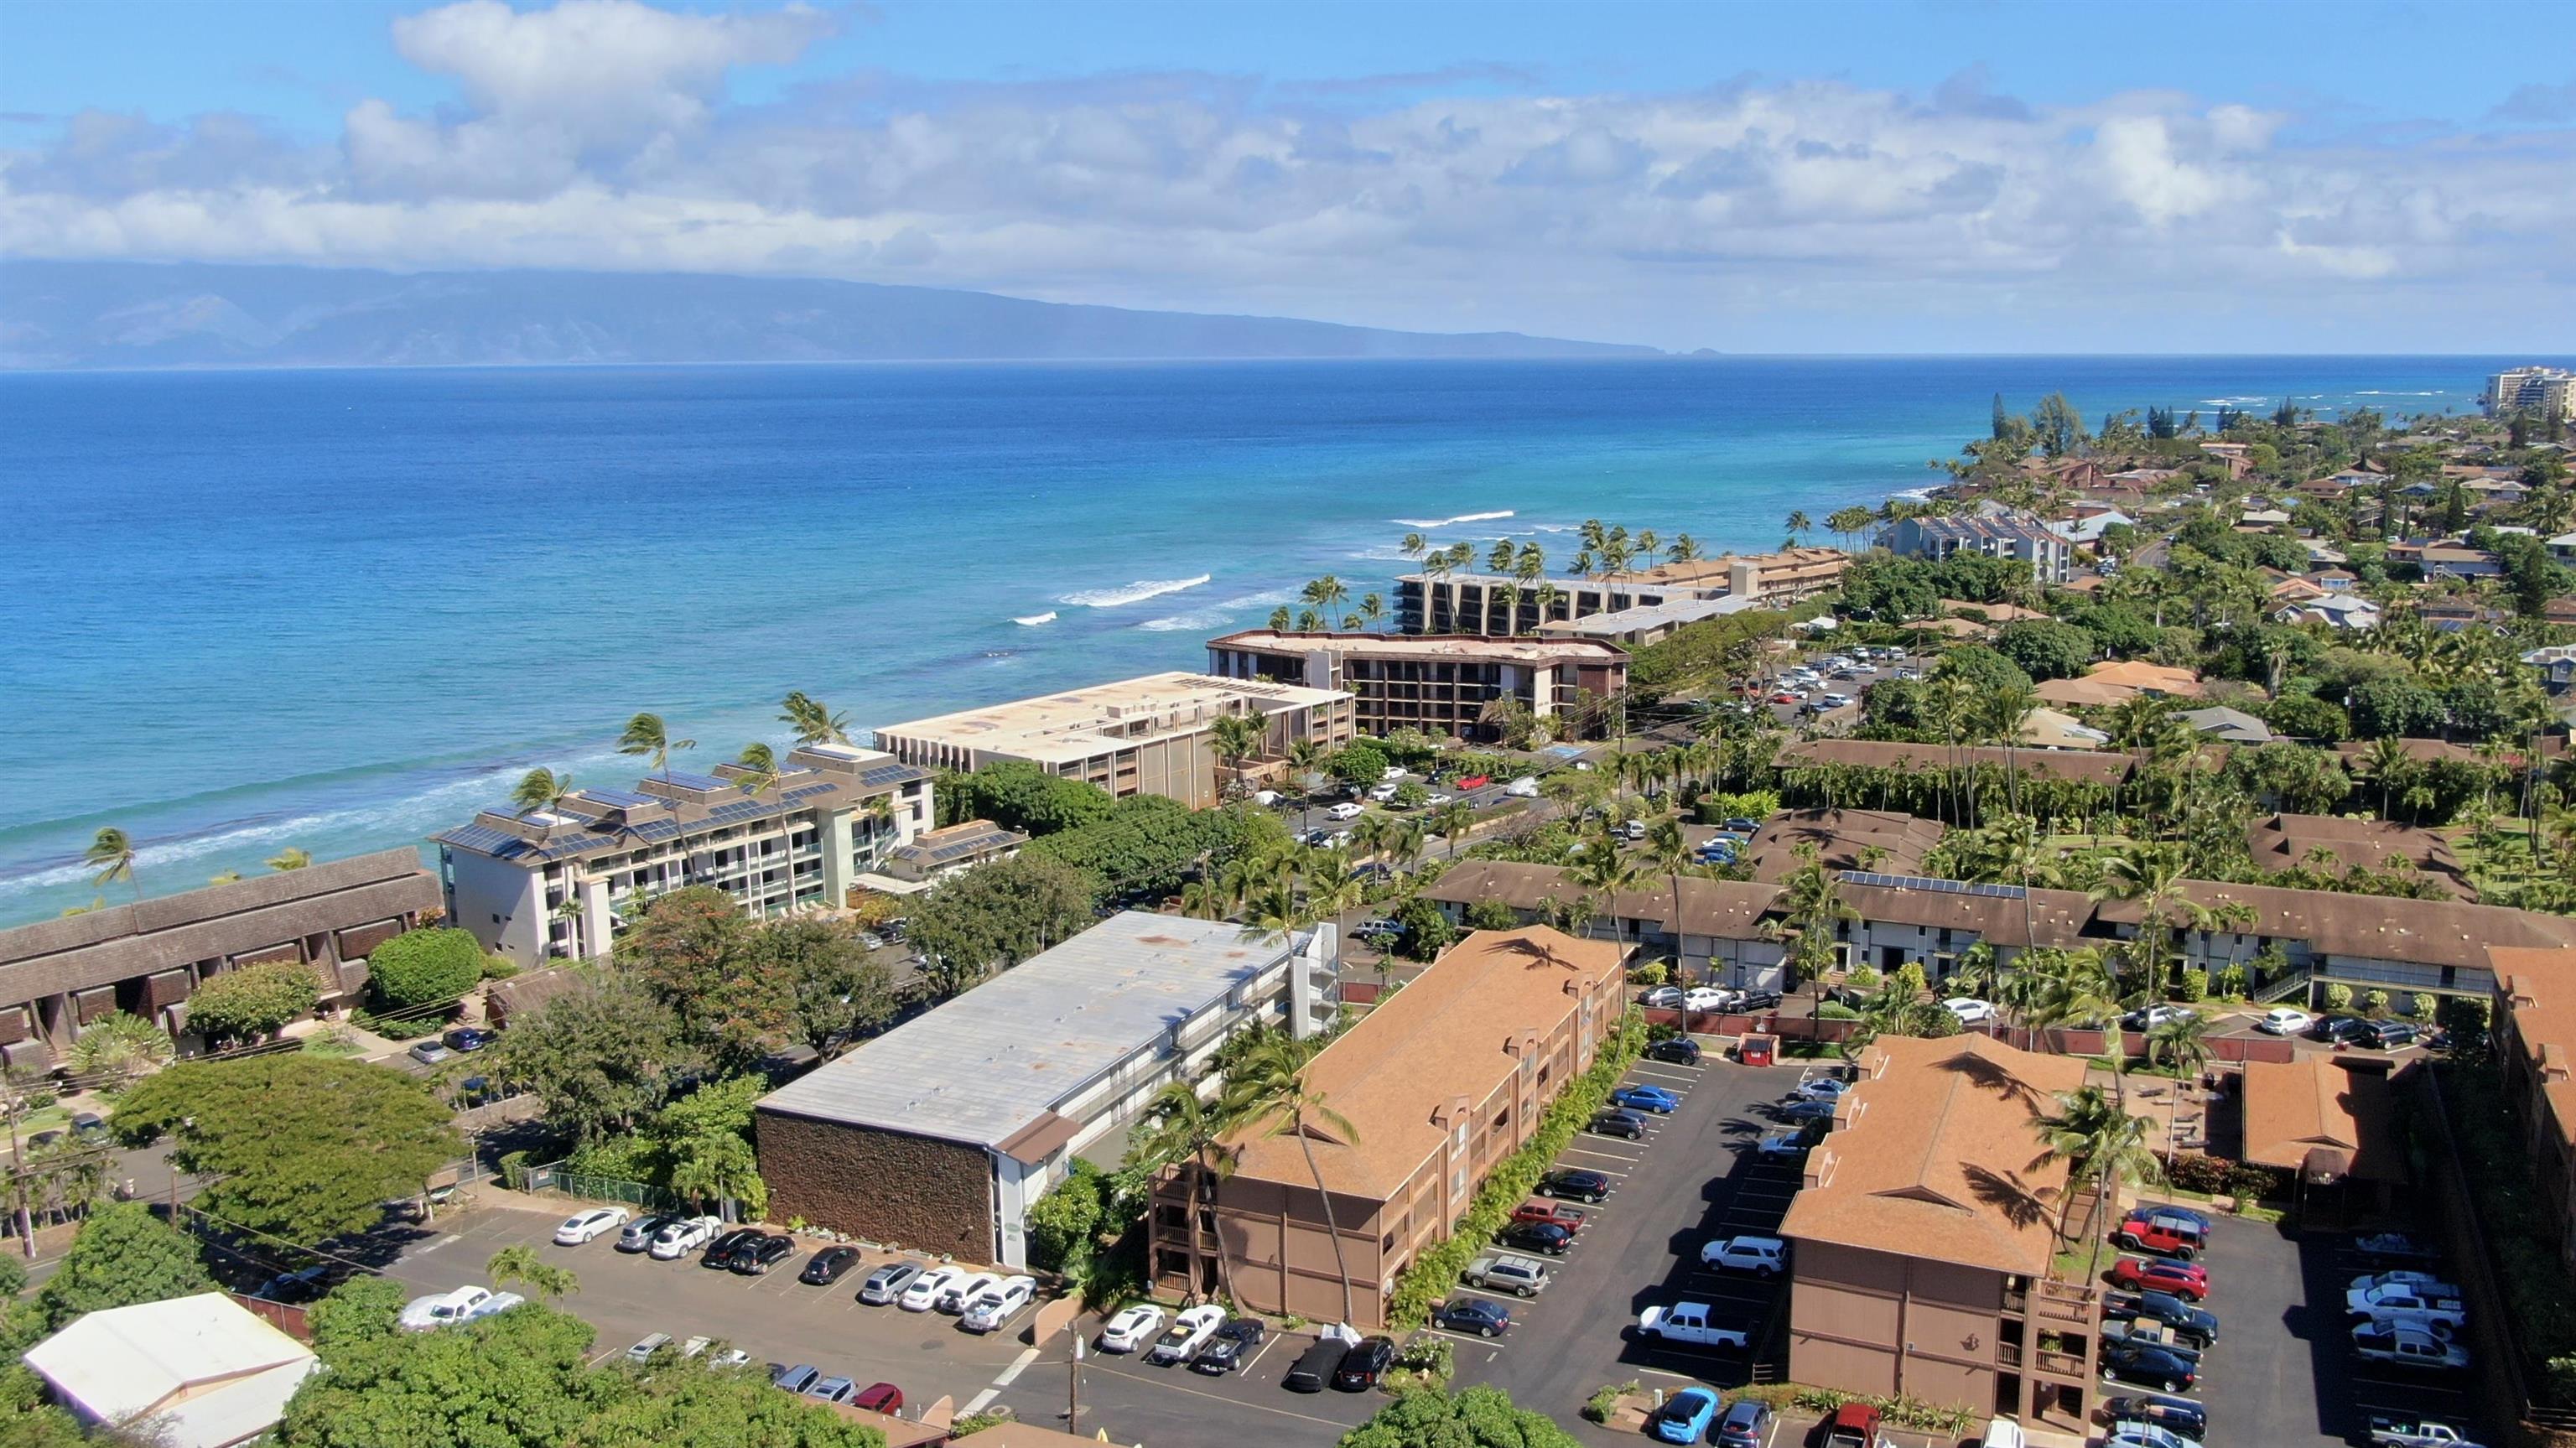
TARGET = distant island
(75,315)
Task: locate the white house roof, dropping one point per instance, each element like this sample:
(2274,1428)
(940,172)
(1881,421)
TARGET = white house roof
(193,1372)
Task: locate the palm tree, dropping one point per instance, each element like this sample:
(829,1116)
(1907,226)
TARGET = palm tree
(1607,869)
(760,768)
(1269,1088)
(1668,849)
(1180,1128)
(1237,737)
(540,789)
(1435,567)
(645,736)
(522,1264)
(1413,545)
(1372,609)
(813,721)
(1683,549)
(1798,524)
(111,853)
(2101,1143)
(1326,593)
(2180,1043)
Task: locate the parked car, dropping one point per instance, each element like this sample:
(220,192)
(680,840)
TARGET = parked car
(1512,1272)
(682,1237)
(795,1379)
(1662,998)
(927,1287)
(1684,1417)
(440,1309)
(2389,1035)
(2182,1415)
(2146,1435)
(1546,1238)
(1380,926)
(88,1126)
(829,1266)
(1748,1001)
(755,1257)
(646,1346)
(998,1304)
(2392,1246)
(1821,1088)
(639,1234)
(831,1390)
(468,1038)
(1474,781)
(1231,1347)
(2428,1283)
(2164,1238)
(1540,1209)
(883,1398)
(2135,1331)
(954,1297)
(1646,1098)
(1131,1329)
(1746,1424)
(1574,1184)
(2411,1347)
(2183,1279)
(2406,1430)
(1474,1316)
(2286,1021)
(429,1053)
(1704,999)
(719,1253)
(1969,1010)
(2148,1366)
(305,1284)
(2388,1297)
(2191,1217)
(1318,1364)
(889,1283)
(1364,1364)
(1784,1145)
(1678,1051)
(1346,811)
(1762,1256)
(1691,1322)
(580,1227)
(1188,1333)
(729,1359)
(1615,1122)
(1801,1112)
(2338,1030)
(2173,1312)
(1854,1425)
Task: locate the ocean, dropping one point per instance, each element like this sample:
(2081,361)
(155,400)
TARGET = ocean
(343,609)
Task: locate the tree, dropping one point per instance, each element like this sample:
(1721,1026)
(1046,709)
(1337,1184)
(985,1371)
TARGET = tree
(520,1378)
(424,967)
(521,1264)
(647,737)
(2058,426)
(995,916)
(813,721)
(253,1001)
(2392,706)
(2102,1145)
(111,854)
(1180,1130)
(1478,1417)
(540,789)
(692,950)
(601,1055)
(706,1138)
(1359,762)
(1427,931)
(2045,648)
(362,1309)
(2180,1043)
(117,1047)
(301,1147)
(1492,915)
(836,990)
(122,1255)
(1268,1089)
(1237,737)
(1020,796)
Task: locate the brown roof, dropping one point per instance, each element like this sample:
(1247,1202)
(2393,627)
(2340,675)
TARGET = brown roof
(99,947)
(523,994)
(1941,1156)
(2137,674)
(2285,841)
(2082,693)
(2295,1108)
(2105,769)
(2056,916)
(1726,909)
(1840,835)
(1446,1035)
(1991,612)
(2372,927)
(2540,1006)
(2422,751)
(909,1433)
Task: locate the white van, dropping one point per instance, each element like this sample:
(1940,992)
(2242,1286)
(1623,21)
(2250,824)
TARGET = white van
(1525,787)
(1345,812)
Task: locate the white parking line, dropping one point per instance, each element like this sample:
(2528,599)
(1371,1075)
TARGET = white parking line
(1018,1366)
(1463,1337)
(1660,1373)
(441,1242)
(1667,1074)
(1604,1155)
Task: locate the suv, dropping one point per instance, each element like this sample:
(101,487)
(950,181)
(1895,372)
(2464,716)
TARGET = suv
(1761,1255)
(1574,1184)
(2335,1030)
(1319,1364)
(1854,1425)
(1364,1364)
(2389,1035)
(887,1283)
(719,1253)
(1512,1272)
(2165,1238)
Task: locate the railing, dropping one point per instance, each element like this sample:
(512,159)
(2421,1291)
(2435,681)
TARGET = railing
(2289,983)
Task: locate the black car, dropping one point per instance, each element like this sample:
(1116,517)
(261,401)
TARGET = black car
(757,1256)
(1547,1237)
(1230,1346)
(1315,1366)
(1615,1122)
(829,1266)
(468,1038)
(2389,1035)
(1574,1184)
(2177,1415)
(303,1285)
(1472,1315)
(2187,1321)
(719,1253)
(2336,1030)
(1680,1050)
(88,1126)
(1747,1002)
(1364,1364)
(2149,1365)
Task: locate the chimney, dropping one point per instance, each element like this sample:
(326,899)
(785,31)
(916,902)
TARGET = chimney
(1522,1045)
(1820,1167)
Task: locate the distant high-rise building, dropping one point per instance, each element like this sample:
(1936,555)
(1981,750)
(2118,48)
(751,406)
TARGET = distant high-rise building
(2538,391)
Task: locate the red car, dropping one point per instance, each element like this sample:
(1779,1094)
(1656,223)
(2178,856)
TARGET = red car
(1475,781)
(1785,697)
(1854,1425)
(1542,1210)
(881,1398)
(2185,1280)
(2165,1239)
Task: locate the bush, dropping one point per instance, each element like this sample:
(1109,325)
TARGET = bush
(2467,1019)
(1485,914)
(2419,1006)
(2247,1182)
(2375,1004)
(1653,972)
(2194,1172)
(2195,985)
(1756,804)
(1604,1402)
(253,1001)
(1911,982)
(499,967)
(1865,978)
(424,967)
(2338,997)
(1836,1011)
(1427,931)
(2230,981)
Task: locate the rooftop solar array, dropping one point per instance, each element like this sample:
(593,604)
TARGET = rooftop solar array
(482,839)
(622,798)
(685,780)
(740,810)
(808,791)
(888,774)
(1931,886)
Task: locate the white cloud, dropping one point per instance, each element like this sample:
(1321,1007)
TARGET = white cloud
(600,133)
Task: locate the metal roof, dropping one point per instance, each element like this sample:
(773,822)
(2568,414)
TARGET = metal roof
(984,1066)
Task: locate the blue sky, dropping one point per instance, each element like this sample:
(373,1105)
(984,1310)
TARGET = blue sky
(1937,176)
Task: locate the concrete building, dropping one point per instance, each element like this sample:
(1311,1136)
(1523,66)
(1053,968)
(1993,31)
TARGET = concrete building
(2382,942)
(2535,1048)
(1910,919)
(189,1372)
(1647,623)
(1718,938)
(558,882)
(1439,1082)
(57,976)
(1923,1238)
(2538,391)
(937,1135)
(1491,604)
(2000,533)
(932,853)
(1441,685)
(1149,735)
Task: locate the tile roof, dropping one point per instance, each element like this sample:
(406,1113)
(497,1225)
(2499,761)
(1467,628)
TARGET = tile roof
(2293,1108)
(1840,835)
(1941,1156)
(2155,678)
(2371,927)
(1726,909)
(2285,841)
(1442,1037)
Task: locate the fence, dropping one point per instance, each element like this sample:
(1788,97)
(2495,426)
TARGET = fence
(610,1189)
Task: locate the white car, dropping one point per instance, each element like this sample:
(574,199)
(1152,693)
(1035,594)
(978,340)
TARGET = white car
(732,1357)
(954,1297)
(582,1226)
(1440,797)
(1131,1329)
(2285,1021)
(1525,787)
(441,1309)
(2153,1016)
(1393,773)
(1834,701)
(2424,1282)
(2146,1435)
(1382,793)
(924,1292)
(1763,1256)
(1345,811)
(1821,1088)
(1969,1010)
(998,1305)
(1704,998)
(1188,1333)
(498,1302)
(684,1237)
(2414,1302)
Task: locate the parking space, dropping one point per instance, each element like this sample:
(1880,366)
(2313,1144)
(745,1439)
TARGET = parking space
(1142,1402)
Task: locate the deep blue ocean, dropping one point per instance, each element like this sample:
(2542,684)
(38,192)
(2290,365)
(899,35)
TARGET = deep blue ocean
(343,609)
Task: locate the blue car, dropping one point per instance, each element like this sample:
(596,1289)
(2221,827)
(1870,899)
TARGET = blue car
(1646,1098)
(1473,1315)
(1684,1416)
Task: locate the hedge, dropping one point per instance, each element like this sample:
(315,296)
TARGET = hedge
(1427,1280)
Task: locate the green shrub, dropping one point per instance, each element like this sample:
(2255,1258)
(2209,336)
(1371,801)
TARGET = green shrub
(2230,981)
(1653,972)
(2194,1172)
(1605,1400)
(1911,981)
(2466,1018)
(2338,997)
(2195,985)
(253,1001)
(2420,1006)
(1865,978)
(1483,914)
(1836,1011)
(2375,1004)
(424,967)
(1427,931)
(499,967)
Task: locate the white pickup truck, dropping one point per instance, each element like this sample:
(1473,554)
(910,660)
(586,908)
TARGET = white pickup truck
(1691,1322)
(2407,1346)
(2397,1430)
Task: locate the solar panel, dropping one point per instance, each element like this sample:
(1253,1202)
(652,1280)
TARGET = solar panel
(622,798)
(685,780)
(657,831)
(482,839)
(808,791)
(1931,886)
(744,809)
(889,774)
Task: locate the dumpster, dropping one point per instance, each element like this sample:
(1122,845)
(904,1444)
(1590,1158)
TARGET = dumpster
(1757,1049)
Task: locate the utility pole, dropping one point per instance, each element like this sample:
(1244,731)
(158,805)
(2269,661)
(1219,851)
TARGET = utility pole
(1073,1386)
(18,1171)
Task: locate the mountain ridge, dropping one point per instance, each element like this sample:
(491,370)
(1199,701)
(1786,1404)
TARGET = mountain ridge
(78,315)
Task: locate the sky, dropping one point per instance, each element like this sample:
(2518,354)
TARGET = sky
(1948,176)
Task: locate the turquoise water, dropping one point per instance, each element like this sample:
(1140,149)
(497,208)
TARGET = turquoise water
(343,609)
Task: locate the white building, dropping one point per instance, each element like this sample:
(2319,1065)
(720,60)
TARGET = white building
(559,883)
(192,1372)
(2343,612)
(1996,532)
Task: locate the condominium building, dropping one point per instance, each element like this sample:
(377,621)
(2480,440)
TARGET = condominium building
(1149,735)
(2539,391)
(1442,685)
(559,882)
(1429,1091)
(1993,532)
(1492,603)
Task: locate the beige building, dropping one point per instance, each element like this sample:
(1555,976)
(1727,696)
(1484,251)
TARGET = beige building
(1923,1237)
(1149,735)
(1491,603)
(1440,685)
(2539,391)
(1441,1081)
